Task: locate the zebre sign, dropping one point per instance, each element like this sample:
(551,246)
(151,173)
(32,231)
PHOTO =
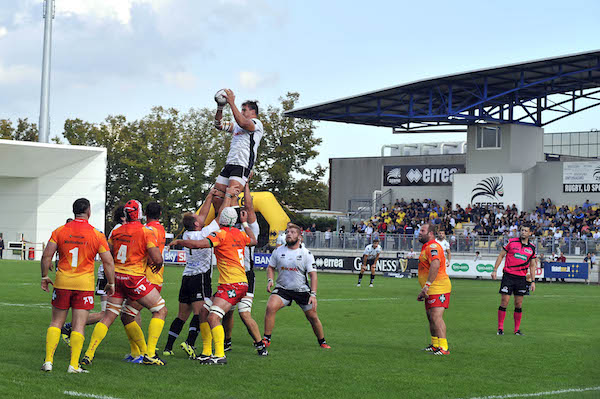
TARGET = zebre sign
(484,189)
(419,175)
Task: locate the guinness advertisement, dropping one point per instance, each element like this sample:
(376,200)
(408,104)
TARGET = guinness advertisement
(420,175)
(354,263)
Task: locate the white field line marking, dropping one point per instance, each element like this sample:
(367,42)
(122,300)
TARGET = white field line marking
(88,395)
(27,305)
(349,299)
(528,395)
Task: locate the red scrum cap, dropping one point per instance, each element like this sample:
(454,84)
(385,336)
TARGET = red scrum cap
(133,210)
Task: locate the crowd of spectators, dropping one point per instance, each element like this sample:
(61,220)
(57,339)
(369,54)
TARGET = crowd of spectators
(550,222)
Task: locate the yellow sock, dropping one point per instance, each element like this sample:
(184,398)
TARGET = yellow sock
(97,336)
(154,330)
(52,338)
(76,347)
(206,339)
(444,343)
(435,341)
(136,339)
(218,334)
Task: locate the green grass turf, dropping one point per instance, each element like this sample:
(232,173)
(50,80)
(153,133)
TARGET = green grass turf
(376,336)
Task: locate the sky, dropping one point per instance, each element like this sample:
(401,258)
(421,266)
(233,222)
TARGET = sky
(125,56)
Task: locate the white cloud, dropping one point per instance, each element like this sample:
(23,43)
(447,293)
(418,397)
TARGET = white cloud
(252,80)
(19,73)
(183,80)
(3,32)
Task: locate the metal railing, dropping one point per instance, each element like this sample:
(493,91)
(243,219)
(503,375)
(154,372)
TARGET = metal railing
(483,244)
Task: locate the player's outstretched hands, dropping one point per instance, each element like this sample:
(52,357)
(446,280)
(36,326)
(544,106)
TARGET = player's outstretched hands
(313,301)
(45,283)
(423,294)
(233,191)
(230,96)
(243,216)
(494,275)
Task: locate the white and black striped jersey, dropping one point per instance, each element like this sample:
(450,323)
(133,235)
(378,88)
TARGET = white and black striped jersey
(372,252)
(199,260)
(244,145)
(293,266)
(249,251)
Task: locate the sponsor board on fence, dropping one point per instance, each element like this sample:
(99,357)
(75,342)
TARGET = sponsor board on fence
(178,257)
(488,189)
(581,177)
(461,267)
(419,175)
(348,263)
(566,270)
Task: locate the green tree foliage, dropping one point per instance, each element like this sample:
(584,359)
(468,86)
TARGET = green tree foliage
(24,131)
(174,158)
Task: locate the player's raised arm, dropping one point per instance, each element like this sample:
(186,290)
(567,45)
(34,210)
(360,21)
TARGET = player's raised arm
(248,202)
(241,120)
(205,208)
(46,263)
(192,244)
(247,229)
(497,264)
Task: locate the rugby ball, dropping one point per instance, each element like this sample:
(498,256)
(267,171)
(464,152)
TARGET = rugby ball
(221,97)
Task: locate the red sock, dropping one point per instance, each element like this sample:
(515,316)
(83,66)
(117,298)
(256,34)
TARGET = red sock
(501,316)
(518,314)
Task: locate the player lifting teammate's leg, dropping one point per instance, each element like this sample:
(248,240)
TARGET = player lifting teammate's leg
(293,263)
(229,244)
(195,291)
(247,132)
(245,305)
(520,258)
(133,246)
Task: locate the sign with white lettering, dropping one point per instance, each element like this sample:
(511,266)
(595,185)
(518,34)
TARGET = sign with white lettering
(420,175)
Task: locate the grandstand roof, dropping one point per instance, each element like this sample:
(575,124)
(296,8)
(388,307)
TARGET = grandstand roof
(532,93)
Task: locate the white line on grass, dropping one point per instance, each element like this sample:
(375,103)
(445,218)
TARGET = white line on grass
(88,395)
(528,395)
(27,305)
(350,299)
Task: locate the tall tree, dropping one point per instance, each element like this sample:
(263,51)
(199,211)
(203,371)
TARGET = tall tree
(24,131)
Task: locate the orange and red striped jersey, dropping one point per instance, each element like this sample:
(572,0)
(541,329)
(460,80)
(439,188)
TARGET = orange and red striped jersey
(430,252)
(159,230)
(129,247)
(78,243)
(229,244)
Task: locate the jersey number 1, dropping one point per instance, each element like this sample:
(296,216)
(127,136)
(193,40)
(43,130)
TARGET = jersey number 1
(74,257)
(122,254)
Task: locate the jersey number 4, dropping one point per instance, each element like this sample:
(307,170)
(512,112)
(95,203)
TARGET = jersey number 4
(122,254)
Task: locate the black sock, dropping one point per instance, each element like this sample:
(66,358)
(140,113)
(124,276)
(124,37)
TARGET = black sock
(193,331)
(174,331)
(360,277)
(322,341)
(228,341)
(372,278)
(500,308)
(267,337)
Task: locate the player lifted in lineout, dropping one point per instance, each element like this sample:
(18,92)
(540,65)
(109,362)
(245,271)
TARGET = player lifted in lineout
(247,132)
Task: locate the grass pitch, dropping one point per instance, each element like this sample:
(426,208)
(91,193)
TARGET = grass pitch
(376,336)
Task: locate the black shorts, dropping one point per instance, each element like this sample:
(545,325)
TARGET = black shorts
(235,172)
(251,282)
(370,262)
(101,285)
(195,288)
(301,298)
(514,285)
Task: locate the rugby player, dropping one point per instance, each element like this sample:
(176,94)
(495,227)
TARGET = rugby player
(370,258)
(131,309)
(519,257)
(229,244)
(293,264)
(247,132)
(77,242)
(196,290)
(245,305)
(435,288)
(95,317)
(133,246)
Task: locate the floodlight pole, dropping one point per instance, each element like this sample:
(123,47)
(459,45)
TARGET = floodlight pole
(45,96)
